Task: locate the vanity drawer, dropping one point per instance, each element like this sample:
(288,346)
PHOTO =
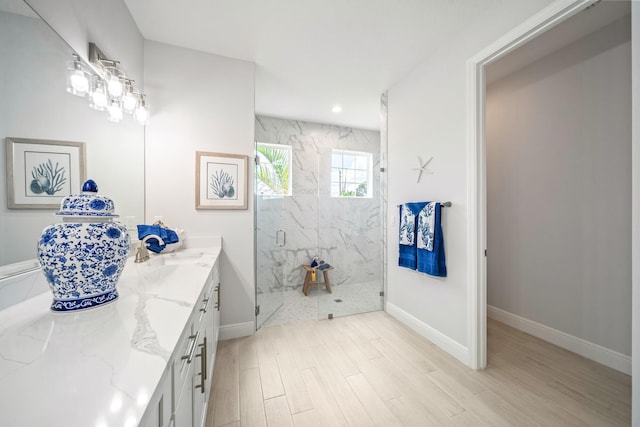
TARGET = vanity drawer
(206,302)
(185,356)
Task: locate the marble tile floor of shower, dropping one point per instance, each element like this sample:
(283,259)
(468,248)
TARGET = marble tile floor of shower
(346,299)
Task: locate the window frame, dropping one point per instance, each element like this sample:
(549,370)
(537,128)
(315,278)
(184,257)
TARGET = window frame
(261,159)
(368,157)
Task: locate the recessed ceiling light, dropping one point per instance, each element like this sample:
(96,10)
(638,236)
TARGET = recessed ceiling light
(336,109)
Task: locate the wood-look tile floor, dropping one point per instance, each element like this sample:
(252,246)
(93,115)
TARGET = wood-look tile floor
(370,370)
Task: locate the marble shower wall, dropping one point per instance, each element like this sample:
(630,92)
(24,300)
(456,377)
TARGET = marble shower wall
(345,232)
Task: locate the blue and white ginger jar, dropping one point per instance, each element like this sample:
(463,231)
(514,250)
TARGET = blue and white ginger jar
(83,256)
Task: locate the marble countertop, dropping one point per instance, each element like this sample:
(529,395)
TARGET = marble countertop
(100,367)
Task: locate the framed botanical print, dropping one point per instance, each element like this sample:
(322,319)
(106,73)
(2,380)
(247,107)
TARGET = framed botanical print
(40,173)
(221,181)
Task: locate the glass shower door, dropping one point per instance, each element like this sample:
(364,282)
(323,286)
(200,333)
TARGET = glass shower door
(270,240)
(322,184)
(350,229)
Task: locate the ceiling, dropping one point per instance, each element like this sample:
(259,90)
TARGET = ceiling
(567,32)
(313,54)
(17,7)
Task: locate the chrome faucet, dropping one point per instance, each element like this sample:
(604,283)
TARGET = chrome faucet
(142,253)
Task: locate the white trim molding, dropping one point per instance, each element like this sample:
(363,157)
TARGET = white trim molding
(236,330)
(543,21)
(603,355)
(452,347)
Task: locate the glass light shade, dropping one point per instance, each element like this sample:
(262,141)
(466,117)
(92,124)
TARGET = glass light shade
(77,78)
(141,114)
(114,83)
(99,98)
(115,112)
(129,102)
(129,99)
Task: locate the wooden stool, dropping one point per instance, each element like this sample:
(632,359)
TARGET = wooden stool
(308,282)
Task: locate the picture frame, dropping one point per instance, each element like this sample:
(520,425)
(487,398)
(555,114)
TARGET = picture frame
(221,180)
(41,173)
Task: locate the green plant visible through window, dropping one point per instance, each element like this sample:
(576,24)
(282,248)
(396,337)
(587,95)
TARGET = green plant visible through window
(350,174)
(273,171)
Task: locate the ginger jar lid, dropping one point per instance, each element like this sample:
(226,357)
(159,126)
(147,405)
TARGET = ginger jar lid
(87,204)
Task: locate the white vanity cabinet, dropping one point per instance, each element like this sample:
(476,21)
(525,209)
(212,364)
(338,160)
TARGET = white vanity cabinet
(184,403)
(212,323)
(207,340)
(145,359)
(160,406)
(193,369)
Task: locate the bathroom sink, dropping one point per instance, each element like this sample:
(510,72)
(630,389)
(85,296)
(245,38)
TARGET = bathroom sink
(184,256)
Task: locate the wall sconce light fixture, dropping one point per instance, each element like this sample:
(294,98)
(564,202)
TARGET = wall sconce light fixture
(107,87)
(77,77)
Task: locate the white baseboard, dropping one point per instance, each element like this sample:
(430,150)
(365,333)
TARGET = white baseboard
(452,347)
(236,330)
(610,358)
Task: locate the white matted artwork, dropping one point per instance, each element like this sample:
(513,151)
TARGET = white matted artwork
(41,173)
(221,181)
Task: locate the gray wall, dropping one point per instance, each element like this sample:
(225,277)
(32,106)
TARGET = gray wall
(559,190)
(345,232)
(635,58)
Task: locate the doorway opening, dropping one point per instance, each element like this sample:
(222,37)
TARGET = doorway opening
(546,25)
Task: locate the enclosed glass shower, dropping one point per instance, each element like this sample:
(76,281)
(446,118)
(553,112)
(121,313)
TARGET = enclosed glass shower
(318,196)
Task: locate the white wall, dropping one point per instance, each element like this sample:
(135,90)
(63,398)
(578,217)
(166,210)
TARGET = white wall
(559,190)
(106,23)
(427,117)
(110,25)
(201,102)
(60,116)
(36,105)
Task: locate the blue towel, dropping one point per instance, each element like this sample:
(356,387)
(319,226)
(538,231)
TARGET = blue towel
(167,235)
(431,261)
(407,250)
(426,226)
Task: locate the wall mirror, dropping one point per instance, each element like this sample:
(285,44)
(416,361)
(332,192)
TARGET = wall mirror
(36,105)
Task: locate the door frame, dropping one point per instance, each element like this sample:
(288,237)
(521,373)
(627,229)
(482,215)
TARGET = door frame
(543,21)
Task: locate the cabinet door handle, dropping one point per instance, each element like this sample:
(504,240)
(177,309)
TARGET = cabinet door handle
(204,357)
(189,355)
(204,307)
(203,361)
(218,297)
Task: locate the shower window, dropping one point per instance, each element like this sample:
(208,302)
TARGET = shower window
(273,171)
(351,174)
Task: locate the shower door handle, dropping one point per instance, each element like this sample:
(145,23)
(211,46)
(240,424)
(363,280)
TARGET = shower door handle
(281,232)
